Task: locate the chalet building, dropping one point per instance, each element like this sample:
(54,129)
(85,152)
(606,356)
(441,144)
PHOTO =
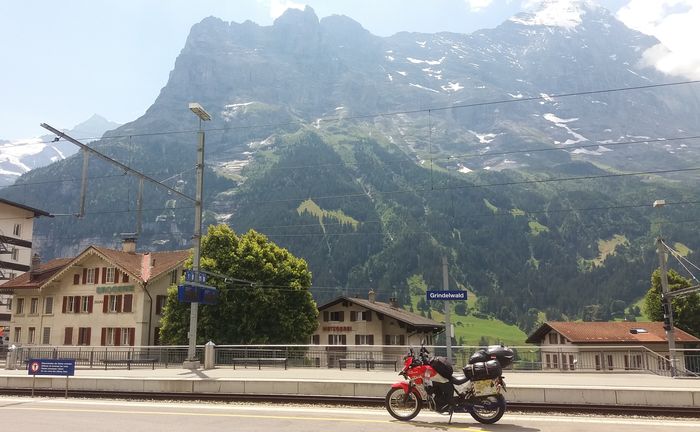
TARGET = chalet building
(101,297)
(354,328)
(16,230)
(609,346)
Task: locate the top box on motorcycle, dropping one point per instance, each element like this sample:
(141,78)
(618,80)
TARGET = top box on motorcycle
(504,355)
(442,366)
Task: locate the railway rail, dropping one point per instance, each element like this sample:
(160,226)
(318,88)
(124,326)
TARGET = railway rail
(627,410)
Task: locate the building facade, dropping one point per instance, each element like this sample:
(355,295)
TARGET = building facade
(102,297)
(608,346)
(354,328)
(16,230)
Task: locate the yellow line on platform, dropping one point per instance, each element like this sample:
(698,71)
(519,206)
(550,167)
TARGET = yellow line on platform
(251,416)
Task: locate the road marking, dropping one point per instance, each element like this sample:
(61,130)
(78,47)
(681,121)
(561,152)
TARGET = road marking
(250,416)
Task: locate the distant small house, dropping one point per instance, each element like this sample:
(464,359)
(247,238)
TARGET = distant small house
(609,346)
(354,328)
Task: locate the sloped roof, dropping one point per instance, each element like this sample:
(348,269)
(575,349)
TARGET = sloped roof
(398,314)
(36,212)
(142,266)
(609,332)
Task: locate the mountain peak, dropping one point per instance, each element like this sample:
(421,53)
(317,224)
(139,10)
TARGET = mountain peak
(567,14)
(297,17)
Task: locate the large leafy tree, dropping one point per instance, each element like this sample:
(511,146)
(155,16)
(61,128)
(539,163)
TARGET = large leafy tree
(686,309)
(276,309)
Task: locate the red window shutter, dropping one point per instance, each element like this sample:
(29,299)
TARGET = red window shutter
(117,336)
(104,275)
(103,340)
(97,275)
(76,279)
(125,279)
(84,276)
(105,304)
(128,298)
(132,336)
(353,317)
(370,339)
(88,335)
(90,301)
(357,339)
(116,276)
(325,315)
(119,303)
(76,304)
(65,304)
(68,336)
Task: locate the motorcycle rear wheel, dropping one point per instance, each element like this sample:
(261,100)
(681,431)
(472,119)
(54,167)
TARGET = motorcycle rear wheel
(403,406)
(489,409)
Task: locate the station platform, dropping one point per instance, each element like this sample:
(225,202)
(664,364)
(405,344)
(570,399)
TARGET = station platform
(575,388)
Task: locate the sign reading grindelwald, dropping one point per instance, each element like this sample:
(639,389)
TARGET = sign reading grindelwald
(447,295)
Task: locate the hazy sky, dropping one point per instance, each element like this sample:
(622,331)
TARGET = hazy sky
(63,60)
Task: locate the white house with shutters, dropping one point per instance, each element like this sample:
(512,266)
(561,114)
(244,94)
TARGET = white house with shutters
(101,297)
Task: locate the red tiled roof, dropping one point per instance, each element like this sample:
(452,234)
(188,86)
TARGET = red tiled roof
(609,332)
(136,264)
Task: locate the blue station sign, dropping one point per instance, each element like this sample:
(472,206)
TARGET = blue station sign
(197,294)
(60,367)
(446,295)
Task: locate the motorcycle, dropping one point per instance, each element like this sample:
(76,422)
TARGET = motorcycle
(430,380)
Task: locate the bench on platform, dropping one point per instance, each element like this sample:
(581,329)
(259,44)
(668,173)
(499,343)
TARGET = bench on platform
(129,362)
(259,361)
(367,363)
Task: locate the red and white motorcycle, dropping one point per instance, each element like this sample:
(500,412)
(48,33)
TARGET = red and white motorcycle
(430,380)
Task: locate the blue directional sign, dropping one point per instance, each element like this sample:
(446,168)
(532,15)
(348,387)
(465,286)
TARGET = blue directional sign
(187,294)
(194,276)
(62,367)
(197,294)
(446,295)
(208,296)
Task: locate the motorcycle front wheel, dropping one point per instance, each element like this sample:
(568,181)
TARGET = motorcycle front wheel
(489,409)
(403,406)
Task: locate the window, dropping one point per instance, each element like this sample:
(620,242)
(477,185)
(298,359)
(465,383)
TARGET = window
(360,315)
(48,306)
(46,337)
(394,340)
(337,339)
(84,335)
(549,361)
(70,304)
(562,339)
(316,339)
(109,336)
(572,362)
(126,335)
(114,303)
(34,306)
(174,279)
(85,304)
(14,254)
(109,274)
(18,335)
(610,362)
(17,230)
(90,276)
(125,278)
(160,304)
(555,361)
(20,307)
(597,362)
(553,338)
(336,316)
(364,339)
(76,279)
(31,335)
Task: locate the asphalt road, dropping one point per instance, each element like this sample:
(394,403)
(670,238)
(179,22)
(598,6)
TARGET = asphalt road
(57,415)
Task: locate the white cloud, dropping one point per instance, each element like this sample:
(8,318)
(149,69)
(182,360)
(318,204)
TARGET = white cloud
(277,7)
(477,5)
(675,24)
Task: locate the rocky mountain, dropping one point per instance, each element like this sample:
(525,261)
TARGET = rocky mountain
(20,156)
(373,157)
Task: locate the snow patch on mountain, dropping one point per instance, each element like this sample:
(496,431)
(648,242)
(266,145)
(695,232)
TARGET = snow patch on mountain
(567,14)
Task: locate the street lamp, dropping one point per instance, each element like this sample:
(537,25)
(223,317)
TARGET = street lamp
(192,362)
(665,297)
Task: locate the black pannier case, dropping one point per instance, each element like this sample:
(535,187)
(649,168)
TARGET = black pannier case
(479,357)
(504,355)
(442,366)
(483,370)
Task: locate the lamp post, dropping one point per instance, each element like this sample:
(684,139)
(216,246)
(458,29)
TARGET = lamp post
(665,296)
(192,362)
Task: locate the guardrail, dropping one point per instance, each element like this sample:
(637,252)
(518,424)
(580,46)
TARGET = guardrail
(563,358)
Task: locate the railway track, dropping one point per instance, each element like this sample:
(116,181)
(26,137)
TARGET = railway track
(627,410)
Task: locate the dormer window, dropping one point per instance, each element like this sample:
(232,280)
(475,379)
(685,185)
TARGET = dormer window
(553,338)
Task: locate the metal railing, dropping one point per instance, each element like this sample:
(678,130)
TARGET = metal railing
(552,358)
